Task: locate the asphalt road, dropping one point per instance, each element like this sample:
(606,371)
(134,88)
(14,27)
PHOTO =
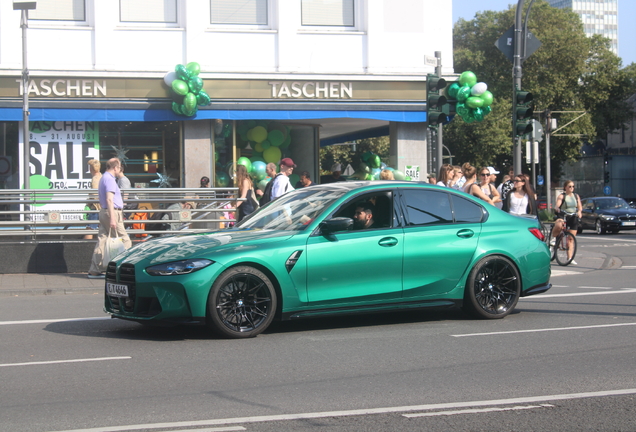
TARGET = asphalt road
(564,361)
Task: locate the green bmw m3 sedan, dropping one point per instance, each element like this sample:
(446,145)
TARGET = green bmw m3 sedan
(341,248)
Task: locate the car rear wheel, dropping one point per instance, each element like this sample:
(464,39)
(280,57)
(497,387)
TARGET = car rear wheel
(599,227)
(493,288)
(242,303)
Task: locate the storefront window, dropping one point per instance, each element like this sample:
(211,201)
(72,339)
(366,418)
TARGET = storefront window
(9,157)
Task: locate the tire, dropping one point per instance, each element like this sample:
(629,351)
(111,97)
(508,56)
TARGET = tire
(242,303)
(493,288)
(561,248)
(598,226)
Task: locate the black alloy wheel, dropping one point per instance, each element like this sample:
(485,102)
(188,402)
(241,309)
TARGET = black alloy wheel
(493,288)
(600,229)
(242,303)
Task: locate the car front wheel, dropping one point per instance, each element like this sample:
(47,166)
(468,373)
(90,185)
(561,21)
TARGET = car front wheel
(599,227)
(493,288)
(242,303)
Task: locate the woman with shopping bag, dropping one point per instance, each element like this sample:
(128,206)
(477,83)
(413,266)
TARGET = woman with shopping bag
(111,220)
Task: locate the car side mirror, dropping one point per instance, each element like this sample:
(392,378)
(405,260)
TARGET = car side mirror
(336,224)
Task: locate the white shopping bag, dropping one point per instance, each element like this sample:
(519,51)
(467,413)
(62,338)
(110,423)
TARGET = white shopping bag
(113,247)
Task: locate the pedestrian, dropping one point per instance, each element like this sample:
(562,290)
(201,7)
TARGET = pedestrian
(446,176)
(111,217)
(94,166)
(305,180)
(281,183)
(124,183)
(205,182)
(488,188)
(569,212)
(335,176)
(460,180)
(266,195)
(173,212)
(246,191)
(520,200)
(471,187)
(508,185)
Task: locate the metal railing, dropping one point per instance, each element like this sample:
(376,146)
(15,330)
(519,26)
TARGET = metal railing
(61,215)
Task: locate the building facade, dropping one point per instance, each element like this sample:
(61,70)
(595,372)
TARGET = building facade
(319,72)
(598,17)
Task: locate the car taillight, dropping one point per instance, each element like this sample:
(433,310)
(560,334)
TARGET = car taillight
(537,233)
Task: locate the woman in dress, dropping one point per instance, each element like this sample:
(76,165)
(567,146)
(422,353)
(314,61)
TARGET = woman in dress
(520,201)
(471,186)
(246,188)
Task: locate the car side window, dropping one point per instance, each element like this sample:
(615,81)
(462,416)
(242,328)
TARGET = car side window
(466,211)
(382,205)
(427,207)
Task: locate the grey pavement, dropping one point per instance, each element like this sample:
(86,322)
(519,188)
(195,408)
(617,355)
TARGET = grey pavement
(78,283)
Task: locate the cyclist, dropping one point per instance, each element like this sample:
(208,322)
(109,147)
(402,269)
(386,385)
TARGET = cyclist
(569,208)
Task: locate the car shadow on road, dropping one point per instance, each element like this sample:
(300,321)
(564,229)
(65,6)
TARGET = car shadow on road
(121,329)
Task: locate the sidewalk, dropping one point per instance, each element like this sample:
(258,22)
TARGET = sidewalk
(78,283)
(47,284)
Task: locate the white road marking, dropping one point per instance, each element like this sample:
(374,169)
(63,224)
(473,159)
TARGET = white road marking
(591,287)
(542,296)
(65,361)
(359,412)
(476,411)
(221,429)
(545,330)
(628,267)
(48,321)
(557,273)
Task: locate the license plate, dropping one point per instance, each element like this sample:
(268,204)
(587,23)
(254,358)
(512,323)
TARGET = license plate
(629,223)
(116,290)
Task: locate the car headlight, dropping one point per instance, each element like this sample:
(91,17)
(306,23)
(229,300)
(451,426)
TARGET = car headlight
(608,217)
(178,267)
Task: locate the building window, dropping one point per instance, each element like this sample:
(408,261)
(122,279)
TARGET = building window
(335,13)
(59,10)
(148,11)
(245,12)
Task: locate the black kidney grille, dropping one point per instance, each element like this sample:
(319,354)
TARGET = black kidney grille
(126,276)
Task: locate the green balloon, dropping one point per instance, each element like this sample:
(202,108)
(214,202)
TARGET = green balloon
(363,167)
(463,93)
(193,68)
(487,110)
(286,143)
(262,184)
(366,155)
(452,90)
(374,161)
(478,113)
(245,162)
(180,87)
(195,84)
(190,101)
(202,98)
(265,144)
(38,181)
(276,137)
(461,109)
(259,134)
(190,112)
(221,179)
(468,78)
(182,72)
(272,155)
(399,175)
(475,102)
(487,97)
(176,108)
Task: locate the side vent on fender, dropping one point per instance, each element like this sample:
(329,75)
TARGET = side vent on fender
(292,260)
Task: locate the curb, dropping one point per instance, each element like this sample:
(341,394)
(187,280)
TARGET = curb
(49,291)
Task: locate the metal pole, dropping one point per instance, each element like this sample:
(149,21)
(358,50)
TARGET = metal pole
(24,20)
(517,73)
(440,127)
(548,175)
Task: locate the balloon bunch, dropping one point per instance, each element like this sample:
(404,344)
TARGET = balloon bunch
(267,139)
(473,98)
(371,167)
(187,91)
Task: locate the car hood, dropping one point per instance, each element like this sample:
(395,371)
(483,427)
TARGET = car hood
(180,247)
(618,212)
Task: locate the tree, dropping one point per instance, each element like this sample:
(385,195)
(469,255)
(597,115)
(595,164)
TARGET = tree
(569,72)
(345,154)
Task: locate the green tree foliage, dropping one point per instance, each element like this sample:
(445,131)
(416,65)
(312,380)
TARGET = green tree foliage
(569,72)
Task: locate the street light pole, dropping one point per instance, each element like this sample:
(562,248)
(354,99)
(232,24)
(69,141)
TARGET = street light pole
(24,7)
(440,127)
(517,73)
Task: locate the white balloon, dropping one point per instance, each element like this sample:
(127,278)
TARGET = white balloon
(169,77)
(479,88)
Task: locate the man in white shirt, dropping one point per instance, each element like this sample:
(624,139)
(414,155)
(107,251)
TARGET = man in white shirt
(281,184)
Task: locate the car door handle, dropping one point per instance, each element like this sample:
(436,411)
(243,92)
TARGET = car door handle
(388,241)
(465,233)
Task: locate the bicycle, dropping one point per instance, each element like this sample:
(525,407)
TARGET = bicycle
(562,242)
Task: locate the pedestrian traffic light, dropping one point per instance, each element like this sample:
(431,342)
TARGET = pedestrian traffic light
(434,100)
(607,177)
(523,113)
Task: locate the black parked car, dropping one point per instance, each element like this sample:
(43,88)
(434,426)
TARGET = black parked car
(603,214)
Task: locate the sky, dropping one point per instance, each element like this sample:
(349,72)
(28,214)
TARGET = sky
(467,9)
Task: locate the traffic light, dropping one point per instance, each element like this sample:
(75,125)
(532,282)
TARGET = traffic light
(607,176)
(434,100)
(523,113)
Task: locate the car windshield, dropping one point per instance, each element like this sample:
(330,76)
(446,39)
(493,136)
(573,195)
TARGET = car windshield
(293,211)
(613,203)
